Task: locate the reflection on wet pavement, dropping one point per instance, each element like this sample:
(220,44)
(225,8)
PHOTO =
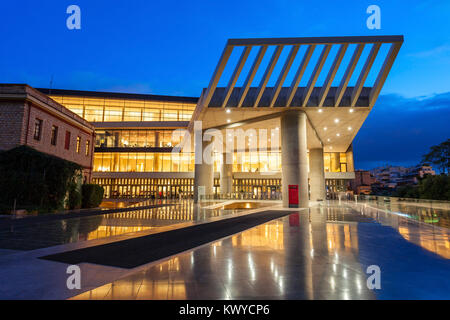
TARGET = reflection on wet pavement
(300,256)
(433,213)
(321,254)
(431,237)
(49,233)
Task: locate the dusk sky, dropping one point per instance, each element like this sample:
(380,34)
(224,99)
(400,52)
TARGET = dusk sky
(172,47)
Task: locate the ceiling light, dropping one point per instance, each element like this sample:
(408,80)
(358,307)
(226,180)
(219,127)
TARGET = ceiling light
(336,120)
(338,134)
(331,147)
(228,120)
(325,128)
(320,110)
(351,110)
(276,128)
(328,139)
(349,128)
(228,111)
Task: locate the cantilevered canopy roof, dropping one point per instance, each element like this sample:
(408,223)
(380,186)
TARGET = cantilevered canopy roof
(303,73)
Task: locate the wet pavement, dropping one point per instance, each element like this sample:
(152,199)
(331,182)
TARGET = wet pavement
(321,253)
(30,235)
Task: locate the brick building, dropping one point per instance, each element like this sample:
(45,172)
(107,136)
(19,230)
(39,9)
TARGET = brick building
(29,117)
(362,182)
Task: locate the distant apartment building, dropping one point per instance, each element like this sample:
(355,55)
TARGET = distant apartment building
(362,182)
(393,176)
(29,117)
(389,176)
(414,173)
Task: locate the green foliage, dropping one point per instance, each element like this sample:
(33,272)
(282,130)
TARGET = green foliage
(35,179)
(430,187)
(92,195)
(435,187)
(439,156)
(74,200)
(407,192)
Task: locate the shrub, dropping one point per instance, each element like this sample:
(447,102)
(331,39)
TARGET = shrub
(34,179)
(92,195)
(74,200)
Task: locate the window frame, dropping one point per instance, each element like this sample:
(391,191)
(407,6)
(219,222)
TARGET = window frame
(67,140)
(37,134)
(54,135)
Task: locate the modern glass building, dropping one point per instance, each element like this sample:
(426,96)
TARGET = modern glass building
(267,86)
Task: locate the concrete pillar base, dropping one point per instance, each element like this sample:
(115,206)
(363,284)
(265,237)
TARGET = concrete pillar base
(294,156)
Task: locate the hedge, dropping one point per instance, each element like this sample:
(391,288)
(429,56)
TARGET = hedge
(35,179)
(92,195)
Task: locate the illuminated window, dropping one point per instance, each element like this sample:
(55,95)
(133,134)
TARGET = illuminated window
(87,147)
(93,113)
(78,144)
(113,114)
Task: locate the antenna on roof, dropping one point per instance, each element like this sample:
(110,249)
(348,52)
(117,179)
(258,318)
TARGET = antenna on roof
(51,84)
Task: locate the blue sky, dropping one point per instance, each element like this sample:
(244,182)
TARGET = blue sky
(172,47)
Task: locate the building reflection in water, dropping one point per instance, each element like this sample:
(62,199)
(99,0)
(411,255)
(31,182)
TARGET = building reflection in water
(115,224)
(301,256)
(429,236)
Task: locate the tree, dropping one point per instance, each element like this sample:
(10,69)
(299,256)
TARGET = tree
(439,156)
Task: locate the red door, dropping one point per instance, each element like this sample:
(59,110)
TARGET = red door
(293,196)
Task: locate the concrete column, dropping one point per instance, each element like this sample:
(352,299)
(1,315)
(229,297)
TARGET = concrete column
(294,157)
(350,160)
(226,173)
(317,174)
(204,172)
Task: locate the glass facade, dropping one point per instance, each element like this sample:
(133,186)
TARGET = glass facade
(143,162)
(184,162)
(335,162)
(175,187)
(144,138)
(97,109)
(124,150)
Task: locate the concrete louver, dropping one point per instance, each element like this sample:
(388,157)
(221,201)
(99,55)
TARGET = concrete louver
(290,94)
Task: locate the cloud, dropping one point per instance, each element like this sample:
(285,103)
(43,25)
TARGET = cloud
(436,51)
(400,130)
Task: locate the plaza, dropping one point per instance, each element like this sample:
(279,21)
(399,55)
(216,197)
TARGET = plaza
(239,193)
(317,253)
